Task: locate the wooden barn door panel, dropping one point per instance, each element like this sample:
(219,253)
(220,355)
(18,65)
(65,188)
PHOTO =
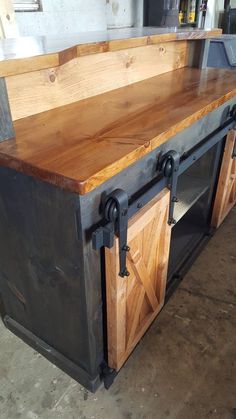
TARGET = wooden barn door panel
(133,302)
(226,190)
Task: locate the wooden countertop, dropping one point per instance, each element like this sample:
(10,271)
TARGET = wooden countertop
(81,145)
(25,54)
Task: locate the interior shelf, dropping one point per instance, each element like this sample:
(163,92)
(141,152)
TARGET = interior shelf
(190,189)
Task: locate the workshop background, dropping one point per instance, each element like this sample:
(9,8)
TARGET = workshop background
(58,17)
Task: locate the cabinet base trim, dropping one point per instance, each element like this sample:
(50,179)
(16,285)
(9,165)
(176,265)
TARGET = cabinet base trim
(53,355)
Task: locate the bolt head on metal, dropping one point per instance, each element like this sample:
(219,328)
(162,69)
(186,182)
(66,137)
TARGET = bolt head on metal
(171,221)
(124,212)
(124,273)
(126,248)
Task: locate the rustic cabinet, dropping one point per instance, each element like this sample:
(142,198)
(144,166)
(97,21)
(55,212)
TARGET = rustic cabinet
(226,190)
(131,113)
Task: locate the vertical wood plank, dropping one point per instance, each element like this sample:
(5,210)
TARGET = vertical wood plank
(225,196)
(88,76)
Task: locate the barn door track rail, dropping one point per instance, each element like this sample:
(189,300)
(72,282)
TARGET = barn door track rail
(118,207)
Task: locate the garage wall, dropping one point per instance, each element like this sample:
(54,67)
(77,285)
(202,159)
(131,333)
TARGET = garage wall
(120,13)
(63,16)
(124,13)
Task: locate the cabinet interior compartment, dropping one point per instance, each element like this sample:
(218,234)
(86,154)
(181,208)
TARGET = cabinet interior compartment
(193,210)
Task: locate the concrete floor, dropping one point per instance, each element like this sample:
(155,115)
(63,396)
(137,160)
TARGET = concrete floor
(184,368)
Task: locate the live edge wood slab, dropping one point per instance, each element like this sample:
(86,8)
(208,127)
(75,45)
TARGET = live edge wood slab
(81,145)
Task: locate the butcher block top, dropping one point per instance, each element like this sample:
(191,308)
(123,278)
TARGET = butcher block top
(81,145)
(27,54)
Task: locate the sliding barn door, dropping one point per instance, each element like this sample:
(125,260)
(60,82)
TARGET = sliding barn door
(133,302)
(226,190)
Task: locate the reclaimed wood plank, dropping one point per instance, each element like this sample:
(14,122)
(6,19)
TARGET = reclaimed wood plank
(89,76)
(226,191)
(125,296)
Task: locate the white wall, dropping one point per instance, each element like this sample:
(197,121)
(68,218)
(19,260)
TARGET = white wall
(120,13)
(61,16)
(73,16)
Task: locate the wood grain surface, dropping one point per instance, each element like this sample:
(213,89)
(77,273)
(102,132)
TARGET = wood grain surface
(91,75)
(27,54)
(134,302)
(226,190)
(81,145)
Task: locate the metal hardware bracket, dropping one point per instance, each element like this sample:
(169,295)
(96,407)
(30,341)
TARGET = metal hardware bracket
(115,211)
(232,113)
(169,167)
(108,375)
(118,209)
